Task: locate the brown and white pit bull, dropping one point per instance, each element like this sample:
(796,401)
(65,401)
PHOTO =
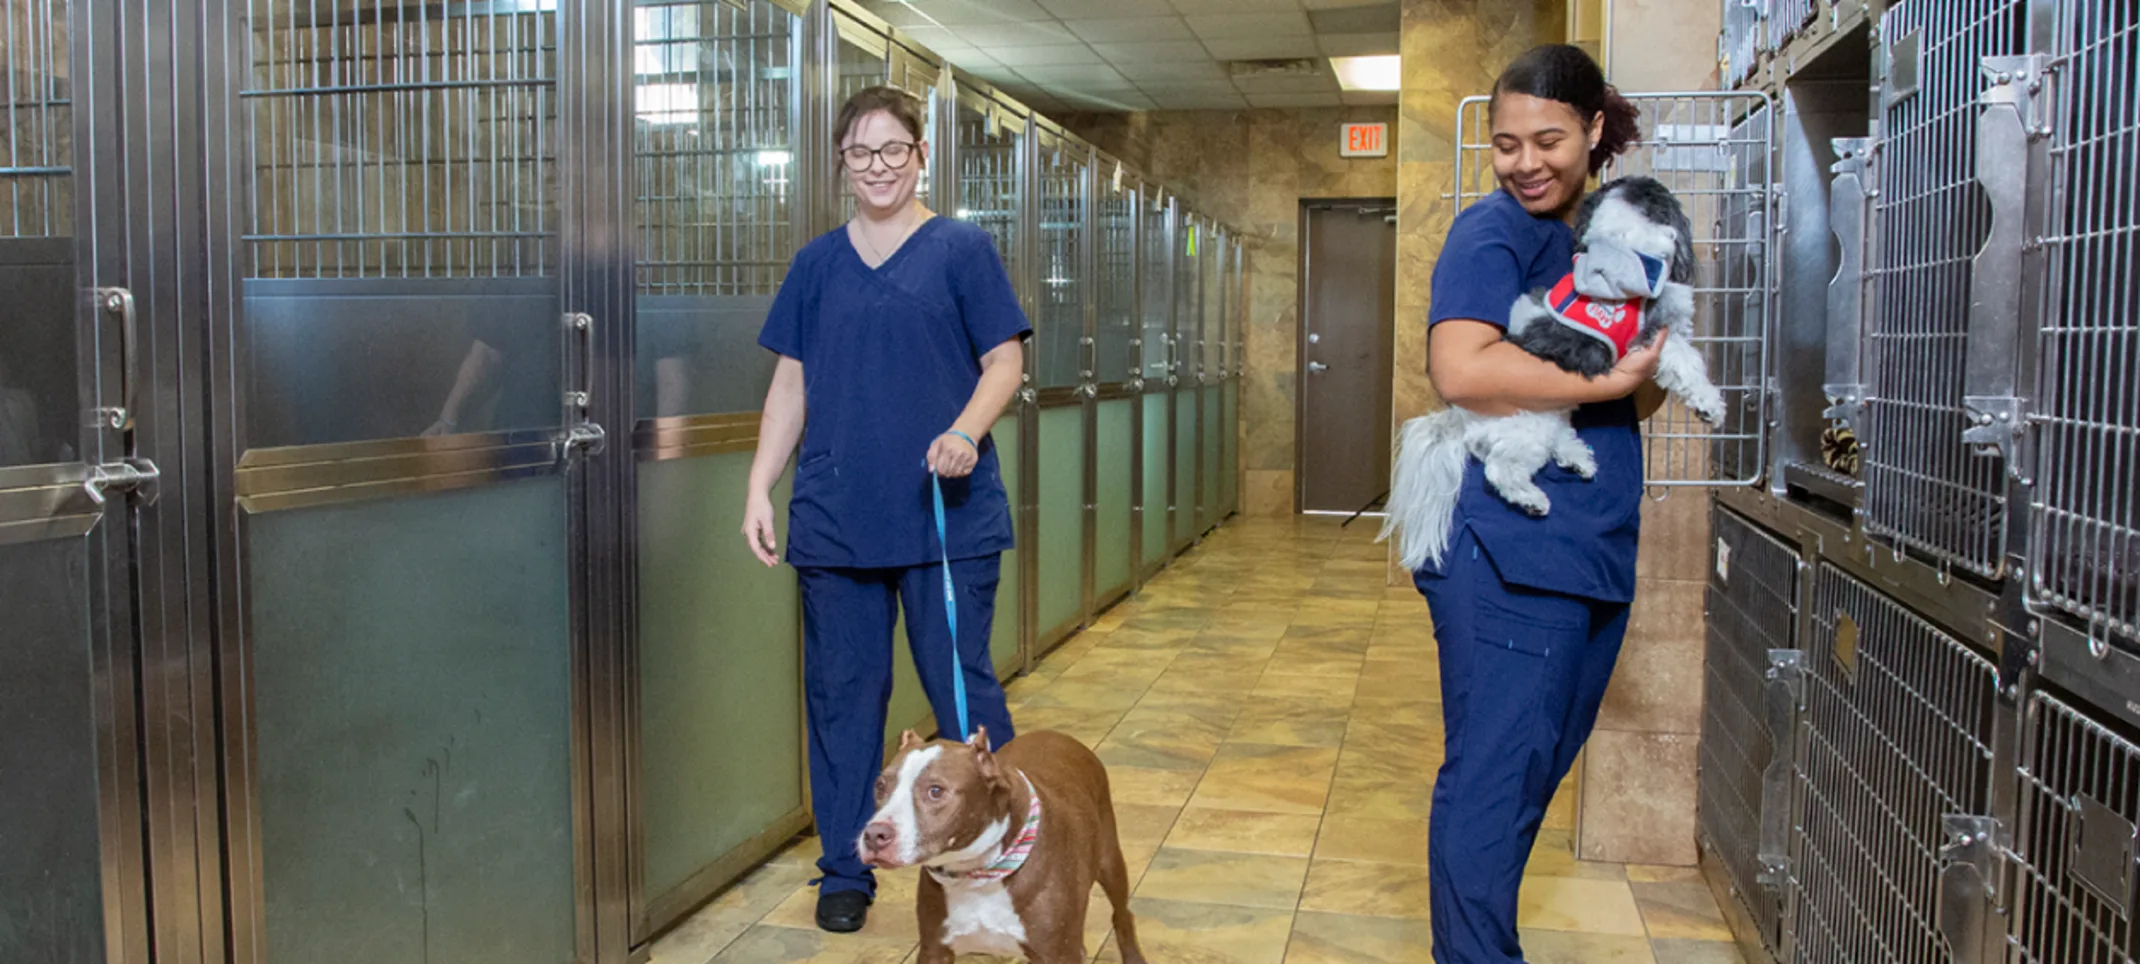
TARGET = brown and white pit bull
(1010,844)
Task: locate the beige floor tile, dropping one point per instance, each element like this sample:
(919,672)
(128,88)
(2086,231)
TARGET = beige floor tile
(1144,824)
(1173,932)
(1696,952)
(1372,889)
(1560,947)
(1681,911)
(1554,856)
(1336,691)
(767,944)
(1272,779)
(1162,739)
(1320,938)
(1156,788)
(1290,722)
(1241,831)
(1653,874)
(1589,906)
(1401,841)
(696,941)
(891,918)
(1088,726)
(1410,799)
(1213,877)
(1077,695)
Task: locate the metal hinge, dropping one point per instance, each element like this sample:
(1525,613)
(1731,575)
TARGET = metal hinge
(1783,691)
(136,477)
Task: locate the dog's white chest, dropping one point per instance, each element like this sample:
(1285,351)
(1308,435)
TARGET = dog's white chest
(979,918)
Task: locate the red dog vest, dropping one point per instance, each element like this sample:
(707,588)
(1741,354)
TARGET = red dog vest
(1616,323)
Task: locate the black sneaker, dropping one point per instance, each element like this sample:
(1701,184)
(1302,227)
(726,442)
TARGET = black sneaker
(842,912)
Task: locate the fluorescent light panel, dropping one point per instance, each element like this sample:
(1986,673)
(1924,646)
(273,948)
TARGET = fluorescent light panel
(1383,72)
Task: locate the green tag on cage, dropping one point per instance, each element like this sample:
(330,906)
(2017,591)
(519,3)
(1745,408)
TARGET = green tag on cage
(1192,242)
(1118,177)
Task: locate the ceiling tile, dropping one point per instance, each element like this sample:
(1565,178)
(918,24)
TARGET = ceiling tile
(934,38)
(953,13)
(897,14)
(1016,34)
(1051,55)
(1358,44)
(1301,84)
(971,59)
(1072,75)
(1200,102)
(1267,48)
(1370,98)
(1295,100)
(1096,9)
(1388,18)
(1249,26)
(1238,6)
(1082,99)
(1165,51)
(1175,70)
(1132,30)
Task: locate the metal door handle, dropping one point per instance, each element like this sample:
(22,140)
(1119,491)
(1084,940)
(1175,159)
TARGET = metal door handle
(133,475)
(120,302)
(1315,367)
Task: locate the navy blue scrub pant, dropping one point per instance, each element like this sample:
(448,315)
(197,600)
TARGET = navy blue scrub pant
(1523,673)
(848,619)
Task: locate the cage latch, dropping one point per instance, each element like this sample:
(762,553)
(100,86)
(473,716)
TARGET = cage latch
(1846,291)
(1968,871)
(1783,691)
(1992,349)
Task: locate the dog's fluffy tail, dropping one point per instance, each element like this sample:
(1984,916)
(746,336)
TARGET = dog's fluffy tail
(1423,488)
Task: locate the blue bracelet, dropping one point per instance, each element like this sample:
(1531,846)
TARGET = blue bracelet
(968,439)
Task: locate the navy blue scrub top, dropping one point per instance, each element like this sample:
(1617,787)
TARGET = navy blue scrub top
(1585,546)
(890,357)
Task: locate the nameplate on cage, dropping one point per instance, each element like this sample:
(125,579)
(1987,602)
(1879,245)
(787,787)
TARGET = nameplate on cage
(1723,560)
(1846,644)
(1904,69)
(1364,140)
(1690,147)
(2102,849)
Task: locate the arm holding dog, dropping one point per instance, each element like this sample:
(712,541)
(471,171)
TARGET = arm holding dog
(1473,366)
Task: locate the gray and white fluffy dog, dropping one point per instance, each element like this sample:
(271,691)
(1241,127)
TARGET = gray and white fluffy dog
(1634,259)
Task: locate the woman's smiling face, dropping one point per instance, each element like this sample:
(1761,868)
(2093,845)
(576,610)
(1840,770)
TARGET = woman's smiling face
(882,186)
(1541,153)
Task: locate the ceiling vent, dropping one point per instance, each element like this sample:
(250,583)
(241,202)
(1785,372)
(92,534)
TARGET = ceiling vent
(1288,67)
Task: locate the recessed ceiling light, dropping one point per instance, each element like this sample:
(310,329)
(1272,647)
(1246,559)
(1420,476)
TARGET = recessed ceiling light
(1384,72)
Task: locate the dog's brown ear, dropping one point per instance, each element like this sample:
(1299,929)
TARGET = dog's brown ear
(979,740)
(909,740)
(984,759)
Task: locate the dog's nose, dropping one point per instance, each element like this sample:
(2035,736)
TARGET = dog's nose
(877,835)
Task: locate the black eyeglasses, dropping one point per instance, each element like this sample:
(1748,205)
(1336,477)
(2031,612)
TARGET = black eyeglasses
(895,156)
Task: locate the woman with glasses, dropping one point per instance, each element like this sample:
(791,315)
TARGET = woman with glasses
(900,343)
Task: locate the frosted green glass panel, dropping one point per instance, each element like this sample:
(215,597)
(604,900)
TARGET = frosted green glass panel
(412,710)
(910,706)
(51,896)
(720,670)
(1062,515)
(1230,465)
(1112,537)
(1184,465)
(1156,454)
(1214,456)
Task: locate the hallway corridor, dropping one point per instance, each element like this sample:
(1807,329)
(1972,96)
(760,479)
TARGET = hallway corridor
(1267,711)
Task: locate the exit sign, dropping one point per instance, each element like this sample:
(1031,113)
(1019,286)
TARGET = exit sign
(1364,140)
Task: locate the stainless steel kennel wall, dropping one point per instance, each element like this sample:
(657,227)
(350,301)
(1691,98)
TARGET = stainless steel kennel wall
(379,391)
(1922,740)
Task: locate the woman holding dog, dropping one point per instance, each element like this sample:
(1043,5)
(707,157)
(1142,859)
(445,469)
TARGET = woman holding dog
(1529,612)
(900,343)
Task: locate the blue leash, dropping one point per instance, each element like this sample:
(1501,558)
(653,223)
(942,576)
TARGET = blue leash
(951,608)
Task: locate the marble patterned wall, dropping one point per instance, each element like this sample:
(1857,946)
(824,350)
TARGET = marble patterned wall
(1251,169)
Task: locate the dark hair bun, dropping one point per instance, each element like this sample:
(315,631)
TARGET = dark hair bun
(1559,72)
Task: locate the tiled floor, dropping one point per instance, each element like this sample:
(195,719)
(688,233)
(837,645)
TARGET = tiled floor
(1266,709)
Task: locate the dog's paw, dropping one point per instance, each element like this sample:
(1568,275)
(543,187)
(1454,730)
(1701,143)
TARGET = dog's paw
(1709,407)
(1583,463)
(1532,501)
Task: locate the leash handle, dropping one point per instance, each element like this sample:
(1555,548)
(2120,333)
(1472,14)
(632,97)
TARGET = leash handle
(951,607)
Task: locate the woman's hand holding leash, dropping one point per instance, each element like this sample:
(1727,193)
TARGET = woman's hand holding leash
(953,455)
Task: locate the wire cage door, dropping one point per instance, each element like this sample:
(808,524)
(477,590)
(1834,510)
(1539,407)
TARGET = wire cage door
(2084,535)
(1715,152)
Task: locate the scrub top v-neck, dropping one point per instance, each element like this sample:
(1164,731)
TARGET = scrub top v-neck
(890,357)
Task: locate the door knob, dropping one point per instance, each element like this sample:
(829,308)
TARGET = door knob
(1315,367)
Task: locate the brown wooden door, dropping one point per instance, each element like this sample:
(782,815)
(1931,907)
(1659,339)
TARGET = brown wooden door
(1348,309)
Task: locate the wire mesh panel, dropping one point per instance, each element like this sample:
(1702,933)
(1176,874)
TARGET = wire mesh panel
(36,185)
(1063,168)
(1739,45)
(2074,847)
(1923,487)
(2085,536)
(402,140)
(861,59)
(990,194)
(1753,608)
(714,149)
(1157,285)
(1714,152)
(1474,151)
(1787,19)
(1896,735)
(1115,287)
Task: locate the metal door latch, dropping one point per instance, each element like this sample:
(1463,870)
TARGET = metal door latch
(1316,368)
(584,440)
(1968,872)
(135,476)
